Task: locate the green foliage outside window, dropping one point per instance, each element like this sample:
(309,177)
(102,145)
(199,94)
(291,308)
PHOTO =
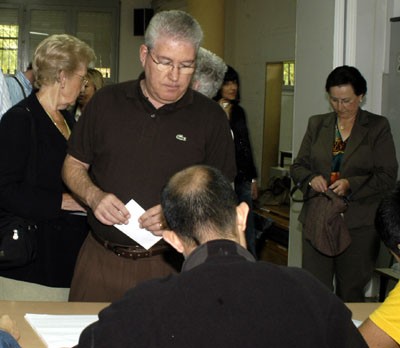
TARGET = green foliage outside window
(288,73)
(8,48)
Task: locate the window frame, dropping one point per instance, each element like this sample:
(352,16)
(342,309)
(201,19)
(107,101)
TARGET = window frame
(72,9)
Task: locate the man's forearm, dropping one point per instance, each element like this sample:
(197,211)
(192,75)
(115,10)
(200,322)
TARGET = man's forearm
(76,177)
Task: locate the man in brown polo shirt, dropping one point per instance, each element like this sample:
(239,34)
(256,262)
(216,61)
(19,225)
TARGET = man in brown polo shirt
(132,137)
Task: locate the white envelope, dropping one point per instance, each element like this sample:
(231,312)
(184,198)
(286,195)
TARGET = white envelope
(145,238)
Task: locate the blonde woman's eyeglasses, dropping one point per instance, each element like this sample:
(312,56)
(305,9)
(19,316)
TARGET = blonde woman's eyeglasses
(84,80)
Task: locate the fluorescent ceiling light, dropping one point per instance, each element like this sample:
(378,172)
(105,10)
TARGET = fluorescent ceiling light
(37,33)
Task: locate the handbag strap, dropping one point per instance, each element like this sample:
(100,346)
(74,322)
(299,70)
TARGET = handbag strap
(30,176)
(318,194)
(305,198)
(20,85)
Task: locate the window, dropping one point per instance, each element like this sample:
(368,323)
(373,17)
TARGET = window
(288,73)
(24,27)
(44,23)
(9,31)
(95,29)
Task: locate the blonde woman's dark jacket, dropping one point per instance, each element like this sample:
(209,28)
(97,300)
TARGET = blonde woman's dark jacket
(369,162)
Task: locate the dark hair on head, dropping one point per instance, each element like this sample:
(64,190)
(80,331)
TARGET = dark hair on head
(199,203)
(387,220)
(347,75)
(231,75)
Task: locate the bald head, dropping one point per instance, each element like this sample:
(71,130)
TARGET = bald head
(199,204)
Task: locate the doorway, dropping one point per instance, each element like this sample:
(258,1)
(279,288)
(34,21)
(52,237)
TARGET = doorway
(278,120)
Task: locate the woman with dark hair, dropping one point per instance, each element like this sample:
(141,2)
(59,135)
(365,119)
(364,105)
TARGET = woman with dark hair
(351,152)
(246,179)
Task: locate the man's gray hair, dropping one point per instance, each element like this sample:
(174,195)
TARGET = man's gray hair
(209,73)
(174,24)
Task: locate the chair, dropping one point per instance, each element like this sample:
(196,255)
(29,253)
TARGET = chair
(386,274)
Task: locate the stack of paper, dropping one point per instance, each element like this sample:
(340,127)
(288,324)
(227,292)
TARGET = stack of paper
(59,330)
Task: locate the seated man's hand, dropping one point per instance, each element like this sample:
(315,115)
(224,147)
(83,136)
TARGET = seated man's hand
(9,325)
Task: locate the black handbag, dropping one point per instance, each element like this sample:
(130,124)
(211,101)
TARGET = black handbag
(18,245)
(18,242)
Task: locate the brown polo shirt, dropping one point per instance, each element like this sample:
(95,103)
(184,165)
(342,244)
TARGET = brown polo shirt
(133,148)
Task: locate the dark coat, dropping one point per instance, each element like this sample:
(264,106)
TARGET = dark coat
(369,162)
(224,299)
(246,169)
(59,234)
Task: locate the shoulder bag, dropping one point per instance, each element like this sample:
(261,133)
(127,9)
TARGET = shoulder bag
(18,244)
(324,224)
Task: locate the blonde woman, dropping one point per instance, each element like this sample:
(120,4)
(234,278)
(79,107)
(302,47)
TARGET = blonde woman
(95,81)
(38,127)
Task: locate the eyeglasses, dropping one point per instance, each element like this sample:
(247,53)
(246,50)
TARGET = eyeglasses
(166,65)
(84,80)
(345,101)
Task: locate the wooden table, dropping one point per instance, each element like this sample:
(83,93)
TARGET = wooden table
(278,213)
(17,310)
(29,339)
(361,311)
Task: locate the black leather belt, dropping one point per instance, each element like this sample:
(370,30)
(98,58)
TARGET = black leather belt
(133,252)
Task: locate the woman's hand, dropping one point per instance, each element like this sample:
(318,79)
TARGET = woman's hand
(319,184)
(226,105)
(340,187)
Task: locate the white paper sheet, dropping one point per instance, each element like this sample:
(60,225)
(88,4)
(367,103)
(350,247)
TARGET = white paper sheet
(145,238)
(59,330)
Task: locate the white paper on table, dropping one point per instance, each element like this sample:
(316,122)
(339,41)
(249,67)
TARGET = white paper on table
(59,330)
(145,238)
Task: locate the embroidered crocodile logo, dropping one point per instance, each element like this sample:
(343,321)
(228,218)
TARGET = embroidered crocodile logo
(180,137)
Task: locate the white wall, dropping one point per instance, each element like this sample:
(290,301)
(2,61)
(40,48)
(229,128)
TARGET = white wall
(257,32)
(129,64)
(314,59)
(372,48)
(286,130)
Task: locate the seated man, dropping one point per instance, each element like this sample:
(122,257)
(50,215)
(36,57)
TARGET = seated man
(222,297)
(382,328)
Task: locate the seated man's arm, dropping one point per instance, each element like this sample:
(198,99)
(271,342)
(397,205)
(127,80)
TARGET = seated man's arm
(375,336)
(107,208)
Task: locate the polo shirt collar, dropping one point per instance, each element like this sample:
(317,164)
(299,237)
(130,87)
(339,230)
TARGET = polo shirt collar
(137,93)
(215,248)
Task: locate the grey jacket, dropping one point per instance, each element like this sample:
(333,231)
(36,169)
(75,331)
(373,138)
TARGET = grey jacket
(369,162)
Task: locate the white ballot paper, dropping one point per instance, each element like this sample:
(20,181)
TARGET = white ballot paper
(59,330)
(145,238)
